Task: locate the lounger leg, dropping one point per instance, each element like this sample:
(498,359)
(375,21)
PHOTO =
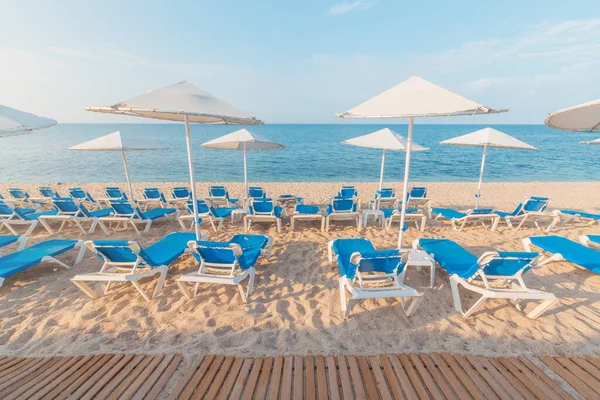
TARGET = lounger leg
(107,287)
(242,293)
(252,272)
(278,225)
(270,246)
(139,289)
(161,280)
(46,225)
(413,305)
(455,294)
(508,223)
(86,289)
(221,220)
(343,303)
(31,228)
(326,224)
(184,290)
(148,224)
(539,310)
(81,252)
(474,307)
(495,224)
(182,224)
(322,224)
(212,223)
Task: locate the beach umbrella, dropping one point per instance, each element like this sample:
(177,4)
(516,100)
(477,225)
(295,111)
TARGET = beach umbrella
(597,141)
(17,121)
(243,140)
(182,102)
(116,142)
(486,138)
(415,98)
(580,118)
(384,139)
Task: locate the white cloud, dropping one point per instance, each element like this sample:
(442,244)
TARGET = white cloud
(346,7)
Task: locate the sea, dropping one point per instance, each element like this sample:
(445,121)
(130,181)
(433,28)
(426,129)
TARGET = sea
(313,153)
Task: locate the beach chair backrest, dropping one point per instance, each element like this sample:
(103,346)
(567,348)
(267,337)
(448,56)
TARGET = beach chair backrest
(125,209)
(262,206)
(115,193)
(154,194)
(218,254)
(255,192)
(418,193)
(481,211)
(347,192)
(119,252)
(65,206)
(18,193)
(46,191)
(180,192)
(536,204)
(217,191)
(508,263)
(77,193)
(84,211)
(18,212)
(343,205)
(6,211)
(385,193)
(203,208)
(386,261)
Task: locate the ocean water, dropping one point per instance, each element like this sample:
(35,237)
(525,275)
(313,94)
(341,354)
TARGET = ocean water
(312,153)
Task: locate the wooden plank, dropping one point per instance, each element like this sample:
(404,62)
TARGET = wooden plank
(164,379)
(155,377)
(434,370)
(276,378)
(15,365)
(456,382)
(84,375)
(207,379)
(332,378)
(286,383)
(494,378)
(413,377)
(217,381)
(32,378)
(365,370)
(194,381)
(322,391)
(106,377)
(240,382)
(569,377)
(44,379)
(513,381)
(405,384)
(345,381)
(124,373)
(466,374)
(516,369)
(311,384)
(579,373)
(595,361)
(86,384)
(544,390)
(252,379)
(59,382)
(128,380)
(8,384)
(587,367)
(142,378)
(382,385)
(26,364)
(357,381)
(545,378)
(391,378)
(426,377)
(298,377)
(263,379)
(188,373)
(230,381)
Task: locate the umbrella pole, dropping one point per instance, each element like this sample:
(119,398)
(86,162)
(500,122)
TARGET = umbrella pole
(127,174)
(405,185)
(188,141)
(480,177)
(382,167)
(245,175)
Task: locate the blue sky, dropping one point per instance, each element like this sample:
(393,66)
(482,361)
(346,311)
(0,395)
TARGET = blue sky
(299,61)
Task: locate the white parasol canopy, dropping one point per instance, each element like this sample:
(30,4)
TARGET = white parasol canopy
(384,139)
(243,140)
(182,102)
(580,118)
(597,141)
(486,138)
(17,121)
(411,99)
(116,142)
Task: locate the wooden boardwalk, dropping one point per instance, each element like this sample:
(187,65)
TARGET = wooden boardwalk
(396,376)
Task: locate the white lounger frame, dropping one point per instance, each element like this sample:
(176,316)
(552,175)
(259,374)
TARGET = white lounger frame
(419,219)
(79,245)
(555,257)
(130,219)
(361,288)
(307,217)
(66,219)
(517,292)
(459,223)
(224,274)
(8,223)
(534,217)
(187,221)
(564,218)
(263,217)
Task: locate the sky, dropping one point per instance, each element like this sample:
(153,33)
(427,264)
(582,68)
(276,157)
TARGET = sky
(299,61)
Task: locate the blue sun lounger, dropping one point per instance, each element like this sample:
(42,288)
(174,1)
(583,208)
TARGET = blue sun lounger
(563,249)
(152,196)
(307,213)
(205,211)
(531,208)
(19,195)
(565,216)
(384,198)
(586,240)
(69,212)
(47,192)
(81,196)
(369,273)
(494,275)
(342,209)
(128,213)
(218,195)
(115,193)
(7,240)
(459,219)
(128,261)
(393,215)
(263,210)
(38,253)
(226,263)
(12,216)
(180,195)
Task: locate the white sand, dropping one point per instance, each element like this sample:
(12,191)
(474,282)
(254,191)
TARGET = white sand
(295,307)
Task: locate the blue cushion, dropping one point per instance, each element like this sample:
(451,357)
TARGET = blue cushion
(451,256)
(308,210)
(570,250)
(245,241)
(156,213)
(8,239)
(582,214)
(343,249)
(448,213)
(21,260)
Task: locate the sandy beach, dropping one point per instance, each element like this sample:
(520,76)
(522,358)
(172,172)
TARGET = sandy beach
(295,306)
